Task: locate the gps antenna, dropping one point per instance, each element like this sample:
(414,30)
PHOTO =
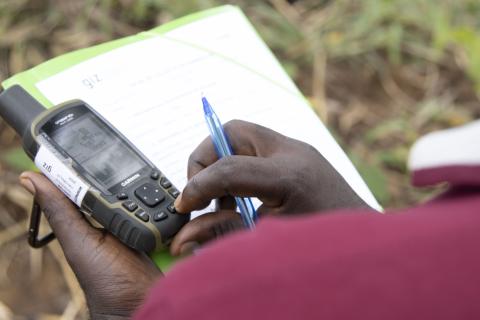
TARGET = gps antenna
(18,108)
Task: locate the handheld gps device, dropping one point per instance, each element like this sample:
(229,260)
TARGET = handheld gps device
(95,166)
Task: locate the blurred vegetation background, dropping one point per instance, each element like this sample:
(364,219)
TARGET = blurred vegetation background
(380,73)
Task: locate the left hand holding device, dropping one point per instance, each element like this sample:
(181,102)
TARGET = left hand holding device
(114,277)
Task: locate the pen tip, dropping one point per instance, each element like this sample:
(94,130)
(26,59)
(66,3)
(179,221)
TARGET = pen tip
(207,109)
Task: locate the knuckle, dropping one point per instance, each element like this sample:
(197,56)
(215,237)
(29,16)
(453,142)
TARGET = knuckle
(312,150)
(235,125)
(307,148)
(195,164)
(193,159)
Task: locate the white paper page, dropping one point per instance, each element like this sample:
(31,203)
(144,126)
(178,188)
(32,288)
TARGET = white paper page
(151,91)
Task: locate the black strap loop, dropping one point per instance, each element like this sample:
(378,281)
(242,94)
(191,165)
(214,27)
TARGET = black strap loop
(34,228)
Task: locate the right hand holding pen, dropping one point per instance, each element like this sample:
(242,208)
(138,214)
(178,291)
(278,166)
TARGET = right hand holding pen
(287,175)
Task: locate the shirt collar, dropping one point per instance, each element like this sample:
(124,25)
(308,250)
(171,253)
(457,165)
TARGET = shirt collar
(451,155)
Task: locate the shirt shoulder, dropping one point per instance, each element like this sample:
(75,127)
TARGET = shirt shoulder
(396,266)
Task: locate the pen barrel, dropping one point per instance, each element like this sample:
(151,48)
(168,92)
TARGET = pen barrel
(223,149)
(219,139)
(247,211)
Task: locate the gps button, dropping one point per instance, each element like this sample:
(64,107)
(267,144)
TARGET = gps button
(171,208)
(122,196)
(142,215)
(165,183)
(130,205)
(174,192)
(157,216)
(149,194)
(155,175)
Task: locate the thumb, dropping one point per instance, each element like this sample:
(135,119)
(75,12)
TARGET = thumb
(205,228)
(66,221)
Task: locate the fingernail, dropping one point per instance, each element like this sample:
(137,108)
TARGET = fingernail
(176,204)
(189,247)
(27,184)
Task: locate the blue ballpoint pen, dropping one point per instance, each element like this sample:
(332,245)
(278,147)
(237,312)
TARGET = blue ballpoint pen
(223,149)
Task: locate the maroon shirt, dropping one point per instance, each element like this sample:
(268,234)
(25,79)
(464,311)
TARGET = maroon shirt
(420,263)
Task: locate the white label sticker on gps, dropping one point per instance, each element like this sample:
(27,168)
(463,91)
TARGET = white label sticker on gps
(61,176)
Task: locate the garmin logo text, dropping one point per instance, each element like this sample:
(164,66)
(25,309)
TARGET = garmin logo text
(62,121)
(135,176)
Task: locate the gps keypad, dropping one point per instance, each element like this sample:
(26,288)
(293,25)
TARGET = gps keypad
(150,194)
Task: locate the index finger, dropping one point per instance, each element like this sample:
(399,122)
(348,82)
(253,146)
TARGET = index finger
(246,139)
(238,176)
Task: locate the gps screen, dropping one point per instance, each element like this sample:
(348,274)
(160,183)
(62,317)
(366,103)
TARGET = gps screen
(98,150)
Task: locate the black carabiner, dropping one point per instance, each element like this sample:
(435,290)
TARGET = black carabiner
(34,228)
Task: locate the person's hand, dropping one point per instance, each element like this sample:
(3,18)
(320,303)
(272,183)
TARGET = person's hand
(114,278)
(287,175)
